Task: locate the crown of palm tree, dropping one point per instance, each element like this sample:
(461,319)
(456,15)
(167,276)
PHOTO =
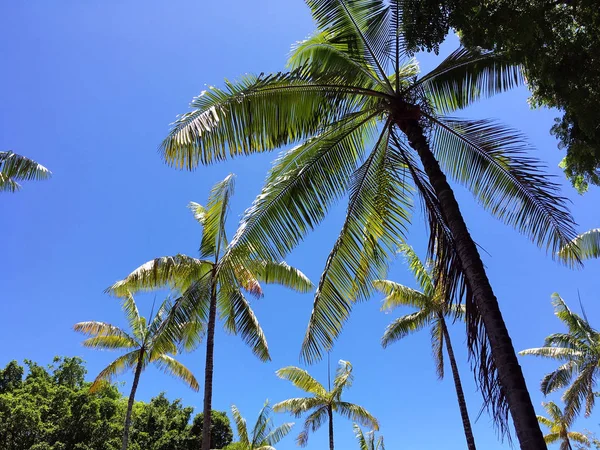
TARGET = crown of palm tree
(432,304)
(368,441)
(264,436)
(322,400)
(15,168)
(579,350)
(559,426)
(236,272)
(150,341)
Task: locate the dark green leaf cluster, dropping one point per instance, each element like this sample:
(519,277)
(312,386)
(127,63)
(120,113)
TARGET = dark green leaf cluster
(51,408)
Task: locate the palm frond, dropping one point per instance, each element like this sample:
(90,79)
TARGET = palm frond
(261,426)
(240,424)
(303,183)
(489,159)
(240,320)
(278,433)
(545,421)
(302,380)
(580,392)
(171,366)
(579,437)
(418,269)
(558,379)
(298,406)
(121,364)
(376,219)
(15,168)
(177,272)
(281,273)
(343,378)
(584,246)
(405,325)
(257,114)
(400,295)
(95,329)
(468,75)
(356,414)
(564,354)
(110,342)
(198,211)
(437,345)
(312,423)
(213,229)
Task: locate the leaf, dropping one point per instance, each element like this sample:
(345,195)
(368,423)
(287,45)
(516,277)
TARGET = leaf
(584,246)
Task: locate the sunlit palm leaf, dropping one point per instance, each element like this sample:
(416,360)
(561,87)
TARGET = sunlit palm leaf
(125,362)
(240,424)
(405,325)
(584,246)
(278,433)
(173,367)
(312,423)
(356,414)
(302,380)
(15,168)
(400,295)
(213,229)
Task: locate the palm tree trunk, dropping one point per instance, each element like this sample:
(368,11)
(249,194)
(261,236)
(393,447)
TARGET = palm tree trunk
(330,412)
(509,371)
(136,380)
(462,404)
(208,370)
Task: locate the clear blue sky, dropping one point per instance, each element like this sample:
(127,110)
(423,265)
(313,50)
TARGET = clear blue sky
(88,89)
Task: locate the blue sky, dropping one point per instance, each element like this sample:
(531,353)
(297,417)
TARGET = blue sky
(88,89)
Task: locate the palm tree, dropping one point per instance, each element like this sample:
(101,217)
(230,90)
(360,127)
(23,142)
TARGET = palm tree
(147,342)
(368,442)
(579,351)
(433,307)
(215,282)
(361,116)
(584,246)
(15,168)
(559,426)
(263,435)
(323,403)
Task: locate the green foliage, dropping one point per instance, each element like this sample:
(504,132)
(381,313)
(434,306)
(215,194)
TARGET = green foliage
(221,434)
(559,428)
(566,75)
(263,436)
(53,409)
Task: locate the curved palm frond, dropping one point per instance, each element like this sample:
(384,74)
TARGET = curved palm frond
(405,325)
(584,246)
(281,273)
(110,342)
(240,424)
(96,329)
(15,168)
(400,295)
(198,211)
(171,366)
(240,319)
(298,406)
(177,272)
(124,362)
(312,423)
(489,159)
(214,239)
(278,433)
(302,380)
(356,414)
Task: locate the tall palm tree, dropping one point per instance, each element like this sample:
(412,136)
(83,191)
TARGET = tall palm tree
(263,436)
(433,307)
(15,168)
(367,125)
(559,426)
(147,342)
(584,246)
(579,351)
(368,441)
(215,282)
(322,403)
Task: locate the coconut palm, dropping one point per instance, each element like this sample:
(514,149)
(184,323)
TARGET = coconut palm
(559,426)
(584,246)
(322,403)
(368,441)
(366,125)
(433,307)
(263,435)
(579,351)
(15,168)
(217,281)
(147,342)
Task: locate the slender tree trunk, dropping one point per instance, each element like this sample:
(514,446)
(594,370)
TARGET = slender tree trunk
(509,371)
(136,380)
(330,412)
(208,371)
(462,404)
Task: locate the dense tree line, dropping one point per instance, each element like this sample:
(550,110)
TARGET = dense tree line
(52,408)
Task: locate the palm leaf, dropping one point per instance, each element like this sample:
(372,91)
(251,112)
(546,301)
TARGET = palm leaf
(213,229)
(278,433)
(400,295)
(15,168)
(110,342)
(240,424)
(281,273)
(118,366)
(171,366)
(405,325)
(312,423)
(584,246)
(356,414)
(302,380)
(298,406)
